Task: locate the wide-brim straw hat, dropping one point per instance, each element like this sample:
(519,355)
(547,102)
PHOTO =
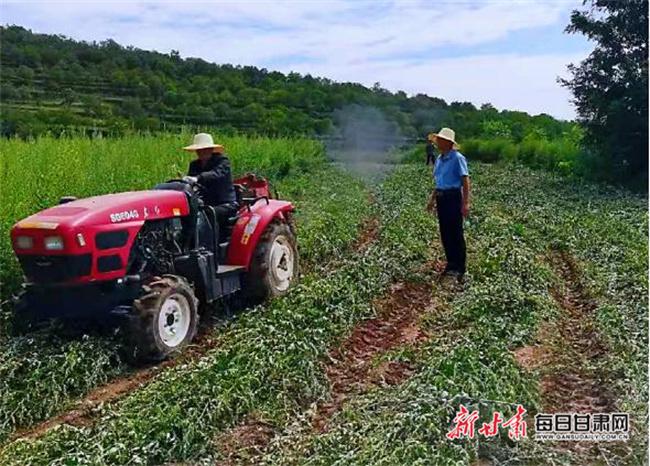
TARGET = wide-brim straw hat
(203,141)
(448,134)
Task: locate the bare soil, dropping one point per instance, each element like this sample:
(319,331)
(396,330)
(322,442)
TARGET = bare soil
(536,356)
(349,367)
(243,443)
(576,386)
(368,234)
(84,411)
(369,229)
(567,355)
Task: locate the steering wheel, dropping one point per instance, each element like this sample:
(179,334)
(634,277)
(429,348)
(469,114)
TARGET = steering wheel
(195,186)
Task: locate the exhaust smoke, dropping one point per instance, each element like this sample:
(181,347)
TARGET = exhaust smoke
(364,140)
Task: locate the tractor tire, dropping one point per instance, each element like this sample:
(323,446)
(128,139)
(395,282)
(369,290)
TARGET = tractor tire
(274,266)
(24,321)
(164,321)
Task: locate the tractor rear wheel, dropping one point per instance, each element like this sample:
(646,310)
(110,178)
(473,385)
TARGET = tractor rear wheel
(274,266)
(165,320)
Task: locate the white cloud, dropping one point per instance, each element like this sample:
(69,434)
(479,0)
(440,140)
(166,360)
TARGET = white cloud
(344,40)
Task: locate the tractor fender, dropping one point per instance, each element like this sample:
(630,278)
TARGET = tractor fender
(249,228)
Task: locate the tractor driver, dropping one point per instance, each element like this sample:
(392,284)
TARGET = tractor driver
(211,170)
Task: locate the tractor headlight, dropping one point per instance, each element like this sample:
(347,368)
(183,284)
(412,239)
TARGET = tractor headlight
(24,242)
(53,243)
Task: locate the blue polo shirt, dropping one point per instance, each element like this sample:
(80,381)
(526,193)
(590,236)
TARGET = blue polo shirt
(449,169)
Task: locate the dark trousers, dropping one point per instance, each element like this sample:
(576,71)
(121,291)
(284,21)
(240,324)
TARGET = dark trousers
(450,219)
(223,212)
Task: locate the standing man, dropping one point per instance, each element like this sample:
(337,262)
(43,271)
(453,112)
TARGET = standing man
(452,200)
(431,154)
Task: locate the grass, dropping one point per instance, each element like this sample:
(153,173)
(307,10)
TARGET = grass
(562,155)
(269,361)
(41,373)
(35,174)
(516,221)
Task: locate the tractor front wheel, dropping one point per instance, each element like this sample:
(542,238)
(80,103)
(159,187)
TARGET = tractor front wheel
(274,266)
(165,320)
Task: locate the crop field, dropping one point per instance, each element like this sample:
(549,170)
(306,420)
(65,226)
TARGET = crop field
(367,360)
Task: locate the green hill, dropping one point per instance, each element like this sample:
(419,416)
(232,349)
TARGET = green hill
(52,83)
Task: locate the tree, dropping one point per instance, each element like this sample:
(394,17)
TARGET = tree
(610,88)
(121,88)
(68,97)
(25,74)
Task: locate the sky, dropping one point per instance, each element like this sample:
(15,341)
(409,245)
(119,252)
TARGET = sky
(505,52)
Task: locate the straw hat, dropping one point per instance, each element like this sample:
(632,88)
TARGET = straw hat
(203,141)
(447,134)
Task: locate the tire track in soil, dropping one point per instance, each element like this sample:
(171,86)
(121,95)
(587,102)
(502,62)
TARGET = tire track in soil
(245,442)
(368,235)
(84,411)
(568,353)
(350,367)
(369,228)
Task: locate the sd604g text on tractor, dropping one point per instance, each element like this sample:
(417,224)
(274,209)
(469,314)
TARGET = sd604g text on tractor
(152,257)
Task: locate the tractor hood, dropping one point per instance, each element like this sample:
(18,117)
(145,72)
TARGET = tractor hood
(135,206)
(74,228)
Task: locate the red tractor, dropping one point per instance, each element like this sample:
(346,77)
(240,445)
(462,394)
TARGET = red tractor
(153,258)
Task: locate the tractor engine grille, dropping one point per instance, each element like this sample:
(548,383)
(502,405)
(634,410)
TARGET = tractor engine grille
(53,269)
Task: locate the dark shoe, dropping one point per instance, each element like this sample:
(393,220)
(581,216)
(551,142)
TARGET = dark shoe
(455,275)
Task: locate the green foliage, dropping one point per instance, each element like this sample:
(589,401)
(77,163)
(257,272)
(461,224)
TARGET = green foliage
(610,89)
(492,129)
(518,216)
(41,373)
(36,174)
(269,361)
(466,358)
(330,205)
(109,89)
(562,155)
(415,155)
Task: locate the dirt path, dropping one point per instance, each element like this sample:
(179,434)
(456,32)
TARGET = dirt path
(84,411)
(578,387)
(351,367)
(368,235)
(369,228)
(568,353)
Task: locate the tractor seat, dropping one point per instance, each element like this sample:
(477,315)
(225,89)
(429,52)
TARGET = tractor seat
(242,192)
